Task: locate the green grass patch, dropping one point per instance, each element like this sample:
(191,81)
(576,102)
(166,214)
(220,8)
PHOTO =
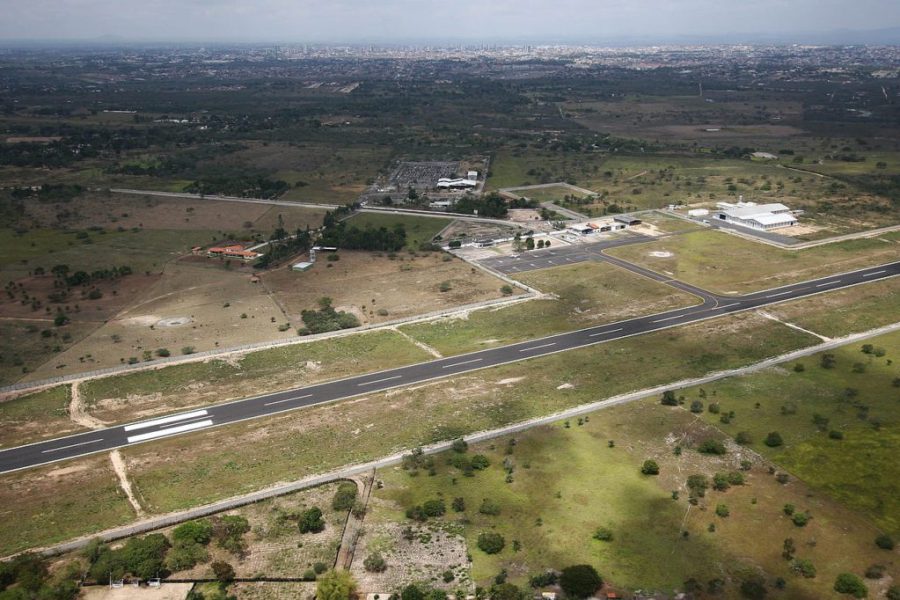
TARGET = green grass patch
(728,264)
(419,230)
(857,402)
(37,416)
(170,388)
(587,294)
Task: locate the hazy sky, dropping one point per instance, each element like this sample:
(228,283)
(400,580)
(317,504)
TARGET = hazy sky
(400,20)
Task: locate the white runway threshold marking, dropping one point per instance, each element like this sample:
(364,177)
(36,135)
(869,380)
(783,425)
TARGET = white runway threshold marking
(378,380)
(287,400)
(538,347)
(71,446)
(166,420)
(170,431)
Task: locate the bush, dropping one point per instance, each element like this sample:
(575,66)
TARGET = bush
(848,583)
(185,556)
(743,438)
(223,571)
(875,572)
(491,543)
(163,352)
(543,580)
(669,399)
(604,534)
(337,584)
(187,350)
(445,286)
(696,407)
(374,563)
(434,508)
(344,497)
(193,532)
(480,462)
(885,542)
(458,504)
(722,510)
(489,507)
(773,440)
(459,445)
(893,593)
(506,290)
(650,468)
(311,521)
(804,567)
(711,446)
(800,519)
(834,434)
(580,581)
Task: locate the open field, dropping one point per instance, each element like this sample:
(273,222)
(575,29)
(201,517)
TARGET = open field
(585,295)
(58,502)
(728,264)
(419,230)
(377,287)
(548,193)
(133,396)
(566,482)
(191,305)
(37,416)
(857,397)
(181,472)
(24,348)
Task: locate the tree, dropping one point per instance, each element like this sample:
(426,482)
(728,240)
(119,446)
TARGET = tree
(711,446)
(743,438)
(885,542)
(223,571)
(434,508)
(804,567)
(344,497)
(374,563)
(754,588)
(506,591)
(459,504)
(335,585)
(491,543)
(788,549)
(669,399)
(722,510)
(848,583)
(459,445)
(650,468)
(696,407)
(194,532)
(311,520)
(580,581)
(773,440)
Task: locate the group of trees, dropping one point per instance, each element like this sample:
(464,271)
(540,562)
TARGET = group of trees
(326,319)
(28,577)
(490,205)
(350,237)
(246,186)
(283,246)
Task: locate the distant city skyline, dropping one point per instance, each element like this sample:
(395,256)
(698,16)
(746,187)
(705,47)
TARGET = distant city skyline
(399,21)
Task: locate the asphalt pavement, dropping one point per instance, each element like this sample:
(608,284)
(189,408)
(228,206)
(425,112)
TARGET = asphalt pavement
(713,305)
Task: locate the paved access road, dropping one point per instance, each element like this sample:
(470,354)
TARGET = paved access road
(24,457)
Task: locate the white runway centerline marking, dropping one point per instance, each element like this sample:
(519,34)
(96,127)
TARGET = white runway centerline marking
(287,400)
(71,446)
(538,347)
(667,319)
(166,420)
(378,380)
(828,283)
(726,306)
(780,294)
(170,431)
(465,362)
(605,332)
(875,273)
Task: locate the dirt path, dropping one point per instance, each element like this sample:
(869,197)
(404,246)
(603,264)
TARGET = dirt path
(636,176)
(121,470)
(77,411)
(354,523)
(422,345)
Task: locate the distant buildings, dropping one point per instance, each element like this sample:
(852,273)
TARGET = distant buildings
(232,251)
(616,223)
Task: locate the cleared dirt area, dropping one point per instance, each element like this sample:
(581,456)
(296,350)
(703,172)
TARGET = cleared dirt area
(186,307)
(169,591)
(378,288)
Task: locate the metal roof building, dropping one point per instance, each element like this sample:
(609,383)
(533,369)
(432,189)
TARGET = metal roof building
(761,216)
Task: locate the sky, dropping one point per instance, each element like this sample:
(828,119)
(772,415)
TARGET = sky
(365,21)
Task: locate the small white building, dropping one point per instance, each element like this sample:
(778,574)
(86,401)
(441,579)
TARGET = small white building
(597,226)
(301,266)
(698,212)
(472,175)
(762,217)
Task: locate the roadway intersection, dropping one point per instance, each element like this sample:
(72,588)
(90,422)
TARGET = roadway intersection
(712,305)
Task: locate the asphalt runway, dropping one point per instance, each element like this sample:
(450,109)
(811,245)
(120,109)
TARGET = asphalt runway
(713,305)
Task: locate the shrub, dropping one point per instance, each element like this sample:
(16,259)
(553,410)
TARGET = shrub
(459,504)
(789,509)
(800,519)
(804,567)
(669,399)
(187,350)
(711,446)
(344,497)
(834,434)
(374,563)
(311,521)
(489,507)
(698,485)
(163,352)
(650,468)
(193,532)
(848,583)
(722,510)
(459,445)
(445,286)
(480,462)
(604,534)
(885,542)
(337,584)
(875,572)
(506,290)
(743,438)
(893,593)
(773,440)
(491,543)
(434,508)
(223,571)
(580,581)
(696,407)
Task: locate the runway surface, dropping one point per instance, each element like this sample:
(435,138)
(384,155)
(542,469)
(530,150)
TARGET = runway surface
(712,305)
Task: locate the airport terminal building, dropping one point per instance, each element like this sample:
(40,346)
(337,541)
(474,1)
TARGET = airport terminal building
(762,217)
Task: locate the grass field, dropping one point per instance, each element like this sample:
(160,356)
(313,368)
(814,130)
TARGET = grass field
(59,502)
(566,482)
(37,416)
(181,472)
(727,264)
(549,193)
(24,348)
(419,230)
(136,395)
(860,470)
(586,294)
